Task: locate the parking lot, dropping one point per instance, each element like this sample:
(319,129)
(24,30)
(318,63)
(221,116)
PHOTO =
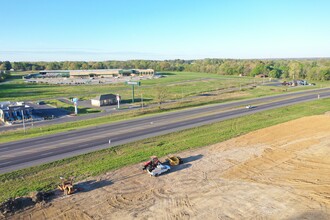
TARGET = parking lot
(87,81)
(46,111)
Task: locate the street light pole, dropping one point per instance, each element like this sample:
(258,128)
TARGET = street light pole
(23,120)
(132,93)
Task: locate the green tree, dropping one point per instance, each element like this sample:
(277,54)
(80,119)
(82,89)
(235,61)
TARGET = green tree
(325,73)
(275,73)
(295,70)
(259,69)
(160,95)
(5,65)
(84,66)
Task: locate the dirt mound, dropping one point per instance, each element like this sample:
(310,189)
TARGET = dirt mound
(13,205)
(280,172)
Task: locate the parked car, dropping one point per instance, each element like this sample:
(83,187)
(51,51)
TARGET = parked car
(41,103)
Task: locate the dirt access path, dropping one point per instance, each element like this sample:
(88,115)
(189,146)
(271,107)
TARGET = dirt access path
(281,172)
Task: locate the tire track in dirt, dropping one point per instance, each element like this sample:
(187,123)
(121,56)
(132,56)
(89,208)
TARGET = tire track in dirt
(281,172)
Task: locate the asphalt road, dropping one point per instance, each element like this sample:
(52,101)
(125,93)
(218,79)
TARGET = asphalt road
(113,110)
(21,154)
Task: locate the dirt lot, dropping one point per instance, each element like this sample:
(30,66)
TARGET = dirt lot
(281,172)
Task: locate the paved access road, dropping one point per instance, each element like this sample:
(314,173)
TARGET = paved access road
(20,154)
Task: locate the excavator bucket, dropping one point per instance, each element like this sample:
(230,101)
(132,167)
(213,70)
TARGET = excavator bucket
(66,186)
(174,160)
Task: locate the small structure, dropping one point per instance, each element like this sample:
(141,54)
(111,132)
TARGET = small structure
(14,111)
(103,100)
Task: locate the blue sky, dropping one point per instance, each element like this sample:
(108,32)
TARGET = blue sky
(92,30)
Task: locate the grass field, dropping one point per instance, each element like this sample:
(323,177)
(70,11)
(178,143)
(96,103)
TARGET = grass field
(45,177)
(192,101)
(178,85)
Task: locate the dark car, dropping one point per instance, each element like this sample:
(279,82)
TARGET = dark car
(41,103)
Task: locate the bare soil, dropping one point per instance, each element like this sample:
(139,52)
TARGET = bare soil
(280,172)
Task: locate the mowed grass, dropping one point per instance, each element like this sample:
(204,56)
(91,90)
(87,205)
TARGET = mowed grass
(193,101)
(46,177)
(177,83)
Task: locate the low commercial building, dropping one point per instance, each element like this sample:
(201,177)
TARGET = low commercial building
(103,73)
(104,100)
(14,111)
(145,72)
(136,72)
(99,73)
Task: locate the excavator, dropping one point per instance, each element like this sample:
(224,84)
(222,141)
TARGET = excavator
(174,160)
(154,167)
(66,186)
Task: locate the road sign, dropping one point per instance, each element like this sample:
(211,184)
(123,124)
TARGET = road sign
(133,83)
(118,100)
(75,102)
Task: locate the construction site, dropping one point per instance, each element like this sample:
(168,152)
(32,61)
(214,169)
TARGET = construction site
(279,172)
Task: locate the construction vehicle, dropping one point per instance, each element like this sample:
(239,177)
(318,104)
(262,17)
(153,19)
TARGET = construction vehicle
(159,169)
(174,160)
(66,186)
(154,167)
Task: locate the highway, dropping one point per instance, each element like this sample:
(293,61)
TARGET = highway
(25,153)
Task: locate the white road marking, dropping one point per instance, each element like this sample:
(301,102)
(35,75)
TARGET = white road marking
(4,163)
(46,154)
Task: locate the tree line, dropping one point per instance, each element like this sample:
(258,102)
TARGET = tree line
(311,69)
(4,66)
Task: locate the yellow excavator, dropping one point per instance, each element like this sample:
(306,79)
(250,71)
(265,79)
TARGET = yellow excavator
(174,160)
(66,186)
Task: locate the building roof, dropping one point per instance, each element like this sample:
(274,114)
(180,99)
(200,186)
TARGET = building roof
(98,72)
(105,97)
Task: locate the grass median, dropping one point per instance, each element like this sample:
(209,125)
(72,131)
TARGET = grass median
(46,177)
(19,134)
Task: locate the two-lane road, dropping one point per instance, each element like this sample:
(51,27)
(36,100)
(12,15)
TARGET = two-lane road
(21,154)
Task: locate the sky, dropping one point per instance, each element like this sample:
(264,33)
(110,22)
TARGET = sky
(99,30)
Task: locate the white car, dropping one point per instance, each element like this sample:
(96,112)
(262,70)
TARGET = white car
(248,106)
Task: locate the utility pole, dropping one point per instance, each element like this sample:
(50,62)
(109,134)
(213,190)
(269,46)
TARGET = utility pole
(142,99)
(23,121)
(132,93)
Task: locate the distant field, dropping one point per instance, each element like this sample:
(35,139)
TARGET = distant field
(178,85)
